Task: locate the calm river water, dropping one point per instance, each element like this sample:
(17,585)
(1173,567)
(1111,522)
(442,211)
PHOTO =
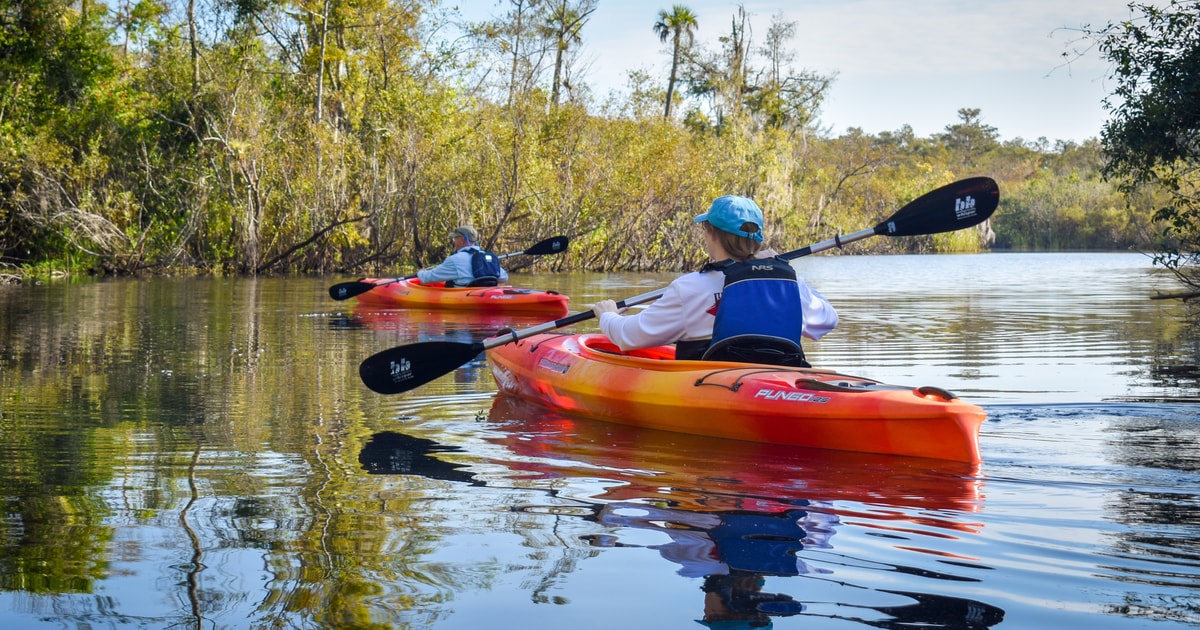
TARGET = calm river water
(200,453)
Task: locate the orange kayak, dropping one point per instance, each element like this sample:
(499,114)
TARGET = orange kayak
(506,299)
(586,375)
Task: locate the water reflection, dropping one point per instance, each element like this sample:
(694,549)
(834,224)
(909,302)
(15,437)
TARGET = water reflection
(740,514)
(405,326)
(185,452)
(732,551)
(411,325)
(1160,501)
(733,601)
(742,518)
(391,453)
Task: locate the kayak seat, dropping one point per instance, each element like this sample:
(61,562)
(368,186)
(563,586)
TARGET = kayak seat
(661,353)
(485,281)
(657,353)
(765,349)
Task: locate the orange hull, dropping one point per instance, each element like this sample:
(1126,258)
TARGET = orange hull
(502,299)
(586,375)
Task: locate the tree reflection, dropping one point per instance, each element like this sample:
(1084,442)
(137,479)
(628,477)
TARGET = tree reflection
(1156,446)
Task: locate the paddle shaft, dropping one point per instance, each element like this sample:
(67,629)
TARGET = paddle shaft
(885,227)
(650,296)
(952,207)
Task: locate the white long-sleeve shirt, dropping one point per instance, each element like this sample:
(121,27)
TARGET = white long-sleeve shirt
(687,311)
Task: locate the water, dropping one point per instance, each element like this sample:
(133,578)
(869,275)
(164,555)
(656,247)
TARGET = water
(200,453)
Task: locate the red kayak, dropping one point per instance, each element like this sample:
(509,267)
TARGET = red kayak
(501,299)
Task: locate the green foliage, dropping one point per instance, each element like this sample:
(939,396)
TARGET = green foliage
(1066,213)
(331,137)
(1151,138)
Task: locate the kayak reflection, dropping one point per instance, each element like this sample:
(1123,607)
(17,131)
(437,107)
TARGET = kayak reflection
(740,515)
(432,324)
(698,473)
(745,519)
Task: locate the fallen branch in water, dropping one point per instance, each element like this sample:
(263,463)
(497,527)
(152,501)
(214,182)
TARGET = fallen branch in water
(1182,295)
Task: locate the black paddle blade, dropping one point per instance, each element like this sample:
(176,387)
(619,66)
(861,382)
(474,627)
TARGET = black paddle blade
(347,290)
(548,246)
(407,367)
(952,207)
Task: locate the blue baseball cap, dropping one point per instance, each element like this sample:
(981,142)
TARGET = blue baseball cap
(731,212)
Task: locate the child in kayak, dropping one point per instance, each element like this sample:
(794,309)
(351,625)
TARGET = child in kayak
(766,311)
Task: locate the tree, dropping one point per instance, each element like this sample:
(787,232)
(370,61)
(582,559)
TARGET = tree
(753,86)
(970,138)
(1152,139)
(720,78)
(514,32)
(780,97)
(562,27)
(53,59)
(679,26)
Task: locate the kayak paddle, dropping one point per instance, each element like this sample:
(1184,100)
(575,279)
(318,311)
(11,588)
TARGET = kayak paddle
(347,290)
(952,207)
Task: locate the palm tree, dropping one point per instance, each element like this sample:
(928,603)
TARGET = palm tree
(679,25)
(563,25)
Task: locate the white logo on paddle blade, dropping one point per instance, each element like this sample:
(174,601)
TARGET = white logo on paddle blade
(964,208)
(400,370)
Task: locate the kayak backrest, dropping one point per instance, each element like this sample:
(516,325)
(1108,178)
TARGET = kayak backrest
(485,281)
(767,349)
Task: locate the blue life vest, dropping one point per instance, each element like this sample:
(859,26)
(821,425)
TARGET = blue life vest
(760,316)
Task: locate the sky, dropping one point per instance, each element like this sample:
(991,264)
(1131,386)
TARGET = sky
(897,62)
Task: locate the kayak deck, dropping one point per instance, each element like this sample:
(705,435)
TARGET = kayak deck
(588,375)
(504,298)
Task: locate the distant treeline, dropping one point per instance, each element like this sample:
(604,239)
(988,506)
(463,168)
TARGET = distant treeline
(306,136)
